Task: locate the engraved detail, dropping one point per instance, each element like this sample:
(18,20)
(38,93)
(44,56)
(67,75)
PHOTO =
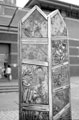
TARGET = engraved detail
(35,26)
(58,27)
(59,51)
(35,84)
(34,52)
(61,99)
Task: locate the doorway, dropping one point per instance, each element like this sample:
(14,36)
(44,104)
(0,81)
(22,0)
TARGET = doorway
(4,59)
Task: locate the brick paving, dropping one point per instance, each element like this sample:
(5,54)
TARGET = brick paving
(9,108)
(9,115)
(75,98)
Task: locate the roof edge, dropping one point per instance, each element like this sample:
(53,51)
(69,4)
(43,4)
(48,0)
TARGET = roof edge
(54,2)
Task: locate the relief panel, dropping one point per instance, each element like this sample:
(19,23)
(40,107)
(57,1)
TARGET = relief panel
(58,27)
(61,99)
(37,52)
(60,76)
(35,26)
(34,115)
(59,51)
(66,115)
(35,84)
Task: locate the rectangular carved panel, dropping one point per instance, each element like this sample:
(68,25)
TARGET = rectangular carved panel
(35,84)
(58,27)
(35,26)
(61,99)
(34,115)
(60,76)
(35,52)
(59,51)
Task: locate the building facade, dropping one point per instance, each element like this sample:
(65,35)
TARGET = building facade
(70,14)
(8,39)
(8,2)
(9,36)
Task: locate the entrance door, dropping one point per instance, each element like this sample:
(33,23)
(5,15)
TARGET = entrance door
(4,54)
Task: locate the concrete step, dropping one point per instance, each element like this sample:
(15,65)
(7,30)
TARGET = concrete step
(8,90)
(11,88)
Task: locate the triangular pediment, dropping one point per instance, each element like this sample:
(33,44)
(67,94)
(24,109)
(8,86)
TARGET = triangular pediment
(34,24)
(58,26)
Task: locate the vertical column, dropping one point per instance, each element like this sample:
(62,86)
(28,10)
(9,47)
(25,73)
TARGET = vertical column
(19,70)
(50,65)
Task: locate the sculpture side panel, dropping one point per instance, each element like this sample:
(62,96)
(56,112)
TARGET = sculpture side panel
(61,99)
(58,27)
(35,84)
(59,51)
(35,26)
(38,52)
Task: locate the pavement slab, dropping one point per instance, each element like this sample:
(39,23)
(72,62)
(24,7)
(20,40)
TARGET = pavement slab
(9,115)
(9,101)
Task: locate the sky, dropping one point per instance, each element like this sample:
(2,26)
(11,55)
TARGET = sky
(21,3)
(76,2)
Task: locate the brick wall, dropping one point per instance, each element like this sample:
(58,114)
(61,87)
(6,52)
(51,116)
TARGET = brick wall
(11,39)
(10,2)
(7,10)
(73,30)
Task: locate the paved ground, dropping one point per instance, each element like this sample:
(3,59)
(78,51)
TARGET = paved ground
(75,97)
(9,106)
(9,103)
(9,115)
